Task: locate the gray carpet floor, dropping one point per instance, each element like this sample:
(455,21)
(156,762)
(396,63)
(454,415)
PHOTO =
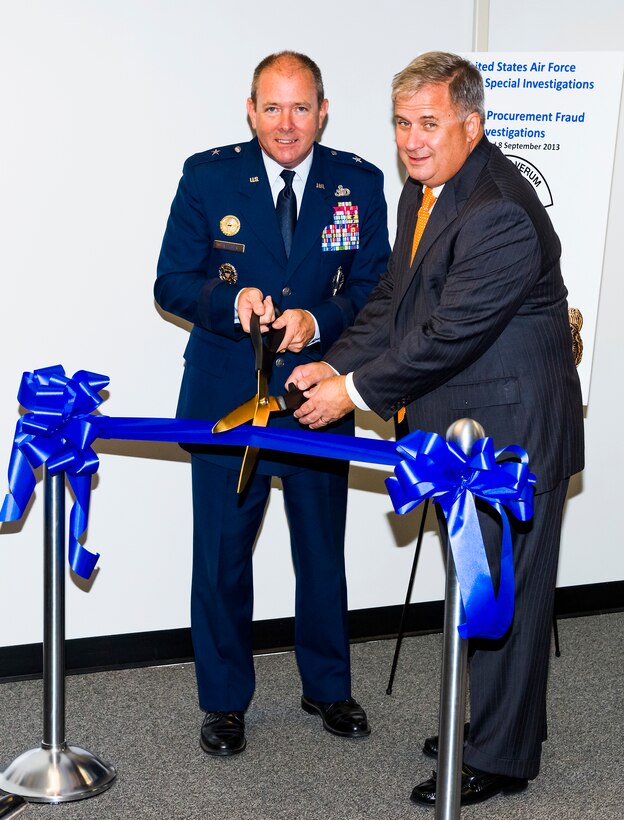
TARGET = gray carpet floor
(146,722)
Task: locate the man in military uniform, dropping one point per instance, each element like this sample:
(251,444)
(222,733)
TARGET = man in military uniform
(277,220)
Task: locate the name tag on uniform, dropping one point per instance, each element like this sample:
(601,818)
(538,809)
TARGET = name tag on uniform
(222,245)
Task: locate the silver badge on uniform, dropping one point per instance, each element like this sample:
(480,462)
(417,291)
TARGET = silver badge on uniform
(228,273)
(342,191)
(337,281)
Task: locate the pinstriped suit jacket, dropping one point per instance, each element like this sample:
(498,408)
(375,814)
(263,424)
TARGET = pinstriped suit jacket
(478,325)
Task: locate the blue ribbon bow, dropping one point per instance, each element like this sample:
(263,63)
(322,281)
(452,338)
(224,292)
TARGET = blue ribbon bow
(61,427)
(57,432)
(437,469)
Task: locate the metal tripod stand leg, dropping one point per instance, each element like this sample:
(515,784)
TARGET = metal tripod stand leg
(55,772)
(556,636)
(12,806)
(408,596)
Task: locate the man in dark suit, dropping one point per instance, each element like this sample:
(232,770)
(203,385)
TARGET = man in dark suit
(229,252)
(471,320)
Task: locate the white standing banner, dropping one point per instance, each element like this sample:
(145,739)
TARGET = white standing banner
(555,115)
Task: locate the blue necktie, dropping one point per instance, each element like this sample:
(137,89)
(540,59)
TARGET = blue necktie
(286,209)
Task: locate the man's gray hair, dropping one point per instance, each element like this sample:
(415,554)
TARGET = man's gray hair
(464,81)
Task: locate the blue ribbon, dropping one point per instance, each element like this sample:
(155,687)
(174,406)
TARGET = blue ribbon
(437,469)
(61,427)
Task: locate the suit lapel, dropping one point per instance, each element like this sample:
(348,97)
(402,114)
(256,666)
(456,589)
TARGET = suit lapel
(408,210)
(257,202)
(315,213)
(456,191)
(444,212)
(454,195)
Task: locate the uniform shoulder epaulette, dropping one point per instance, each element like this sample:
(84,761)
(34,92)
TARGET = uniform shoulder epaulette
(222,152)
(352,160)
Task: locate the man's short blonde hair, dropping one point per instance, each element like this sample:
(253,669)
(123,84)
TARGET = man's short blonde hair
(292,57)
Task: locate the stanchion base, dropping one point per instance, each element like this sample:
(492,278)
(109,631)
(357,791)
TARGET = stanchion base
(56,775)
(11,806)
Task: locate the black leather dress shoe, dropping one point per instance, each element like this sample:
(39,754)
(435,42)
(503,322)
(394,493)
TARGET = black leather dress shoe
(223,733)
(345,718)
(476,786)
(430,746)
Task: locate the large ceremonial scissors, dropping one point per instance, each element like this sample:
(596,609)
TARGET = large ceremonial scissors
(259,407)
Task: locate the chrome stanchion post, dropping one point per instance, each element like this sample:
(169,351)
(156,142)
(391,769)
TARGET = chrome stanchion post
(464,433)
(55,772)
(54,609)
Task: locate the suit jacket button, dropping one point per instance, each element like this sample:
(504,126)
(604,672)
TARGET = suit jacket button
(279,362)
(286,291)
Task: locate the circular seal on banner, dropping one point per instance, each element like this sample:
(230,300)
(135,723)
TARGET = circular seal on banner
(228,273)
(535,177)
(230,225)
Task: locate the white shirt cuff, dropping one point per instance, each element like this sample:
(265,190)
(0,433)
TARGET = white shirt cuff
(353,393)
(317,332)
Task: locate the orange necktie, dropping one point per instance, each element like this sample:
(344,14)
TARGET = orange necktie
(421,221)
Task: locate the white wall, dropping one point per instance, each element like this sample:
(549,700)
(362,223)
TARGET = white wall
(101,102)
(591,544)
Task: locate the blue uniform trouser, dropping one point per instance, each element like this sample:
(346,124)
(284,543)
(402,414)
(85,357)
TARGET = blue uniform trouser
(224,532)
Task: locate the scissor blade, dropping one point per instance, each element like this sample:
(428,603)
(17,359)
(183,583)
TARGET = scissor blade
(249,460)
(261,418)
(244,412)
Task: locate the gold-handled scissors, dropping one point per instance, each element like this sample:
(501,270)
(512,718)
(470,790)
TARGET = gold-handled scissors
(259,407)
